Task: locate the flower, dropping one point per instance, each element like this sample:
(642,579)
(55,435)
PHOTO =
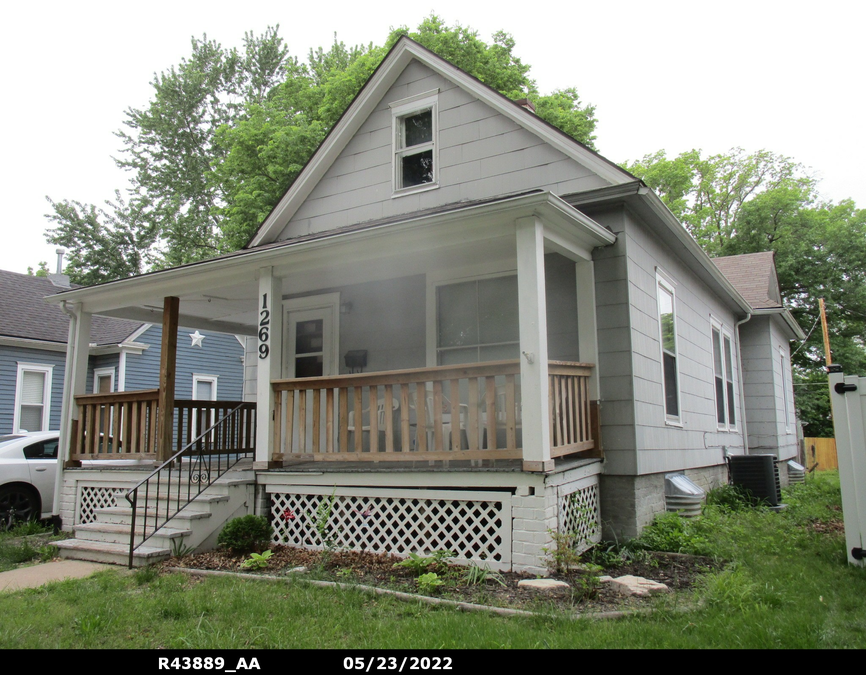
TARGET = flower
(288,515)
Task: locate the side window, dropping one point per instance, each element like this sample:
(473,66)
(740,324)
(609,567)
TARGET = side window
(32,397)
(42,450)
(723,378)
(415,130)
(786,406)
(668,339)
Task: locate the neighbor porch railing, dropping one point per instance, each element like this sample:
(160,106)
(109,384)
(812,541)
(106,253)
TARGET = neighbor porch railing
(466,412)
(123,425)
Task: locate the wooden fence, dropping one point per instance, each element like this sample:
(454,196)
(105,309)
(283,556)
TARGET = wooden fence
(821,452)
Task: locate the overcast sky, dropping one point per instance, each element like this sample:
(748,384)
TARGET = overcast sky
(783,76)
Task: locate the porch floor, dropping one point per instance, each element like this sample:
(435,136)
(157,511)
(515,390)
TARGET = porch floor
(465,466)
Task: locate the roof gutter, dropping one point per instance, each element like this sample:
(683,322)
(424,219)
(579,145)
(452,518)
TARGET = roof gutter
(742,387)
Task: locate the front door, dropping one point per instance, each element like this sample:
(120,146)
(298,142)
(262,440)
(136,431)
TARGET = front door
(309,343)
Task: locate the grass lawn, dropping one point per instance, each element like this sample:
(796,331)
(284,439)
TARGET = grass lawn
(786,585)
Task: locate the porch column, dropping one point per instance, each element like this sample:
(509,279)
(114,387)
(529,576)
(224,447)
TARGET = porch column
(587,329)
(532,307)
(74,382)
(269,324)
(167,367)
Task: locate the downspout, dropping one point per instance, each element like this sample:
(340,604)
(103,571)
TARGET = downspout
(741,386)
(65,411)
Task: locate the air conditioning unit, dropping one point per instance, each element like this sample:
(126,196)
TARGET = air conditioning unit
(758,475)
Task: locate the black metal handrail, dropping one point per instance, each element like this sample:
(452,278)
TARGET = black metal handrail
(232,438)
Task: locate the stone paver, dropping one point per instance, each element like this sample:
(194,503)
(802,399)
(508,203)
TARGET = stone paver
(632,585)
(542,584)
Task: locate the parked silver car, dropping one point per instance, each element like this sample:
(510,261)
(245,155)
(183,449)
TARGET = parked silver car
(28,466)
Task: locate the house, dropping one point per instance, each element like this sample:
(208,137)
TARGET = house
(768,390)
(121,355)
(468,331)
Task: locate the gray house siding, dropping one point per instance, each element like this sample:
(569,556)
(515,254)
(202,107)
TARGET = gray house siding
(697,441)
(765,387)
(220,355)
(481,154)
(102,361)
(10,357)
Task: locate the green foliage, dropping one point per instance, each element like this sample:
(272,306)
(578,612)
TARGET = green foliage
(429,583)
(323,516)
(257,561)
(729,498)
(476,575)
(563,554)
(245,534)
(227,131)
(179,549)
(419,564)
(42,271)
(739,202)
(144,575)
(675,534)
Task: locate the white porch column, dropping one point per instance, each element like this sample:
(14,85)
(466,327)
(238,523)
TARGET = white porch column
(532,306)
(269,366)
(74,382)
(587,328)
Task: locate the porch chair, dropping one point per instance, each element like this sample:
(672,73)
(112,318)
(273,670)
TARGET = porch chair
(365,425)
(429,426)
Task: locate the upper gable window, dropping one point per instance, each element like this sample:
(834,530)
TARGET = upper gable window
(416,158)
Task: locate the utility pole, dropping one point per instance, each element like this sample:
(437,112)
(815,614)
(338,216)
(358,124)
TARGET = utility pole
(827,357)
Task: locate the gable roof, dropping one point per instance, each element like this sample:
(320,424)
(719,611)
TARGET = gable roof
(397,59)
(754,276)
(24,313)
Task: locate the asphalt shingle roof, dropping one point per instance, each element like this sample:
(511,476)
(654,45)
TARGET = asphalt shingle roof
(25,314)
(754,276)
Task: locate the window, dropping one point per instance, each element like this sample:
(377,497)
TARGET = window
(723,376)
(786,408)
(32,397)
(668,335)
(477,321)
(204,388)
(415,125)
(103,380)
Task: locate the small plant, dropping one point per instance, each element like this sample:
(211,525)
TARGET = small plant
(179,549)
(563,554)
(257,561)
(144,575)
(245,534)
(729,498)
(429,583)
(419,564)
(476,575)
(323,515)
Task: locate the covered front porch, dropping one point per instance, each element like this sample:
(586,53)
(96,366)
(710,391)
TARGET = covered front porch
(453,342)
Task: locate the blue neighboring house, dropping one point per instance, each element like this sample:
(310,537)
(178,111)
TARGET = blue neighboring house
(124,355)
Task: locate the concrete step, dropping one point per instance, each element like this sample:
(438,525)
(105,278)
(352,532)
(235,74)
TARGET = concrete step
(123,515)
(114,554)
(119,533)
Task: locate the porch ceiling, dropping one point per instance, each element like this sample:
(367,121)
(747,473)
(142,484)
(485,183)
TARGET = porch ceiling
(221,294)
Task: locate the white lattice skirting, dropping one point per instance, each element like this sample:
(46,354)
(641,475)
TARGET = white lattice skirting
(579,515)
(91,498)
(474,525)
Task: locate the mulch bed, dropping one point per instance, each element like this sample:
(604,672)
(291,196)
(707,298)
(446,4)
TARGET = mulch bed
(585,594)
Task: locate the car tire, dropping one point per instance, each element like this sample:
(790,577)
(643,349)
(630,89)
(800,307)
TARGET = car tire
(17,503)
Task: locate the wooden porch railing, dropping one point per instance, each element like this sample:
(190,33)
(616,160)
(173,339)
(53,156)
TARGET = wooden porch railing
(123,425)
(464,412)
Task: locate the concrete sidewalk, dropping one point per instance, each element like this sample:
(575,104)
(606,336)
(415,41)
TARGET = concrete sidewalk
(39,575)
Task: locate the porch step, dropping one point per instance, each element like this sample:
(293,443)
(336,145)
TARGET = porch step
(114,554)
(106,538)
(114,533)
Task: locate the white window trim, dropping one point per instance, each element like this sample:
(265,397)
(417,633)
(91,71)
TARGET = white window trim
(196,378)
(724,333)
(664,281)
(784,363)
(48,373)
(102,372)
(405,107)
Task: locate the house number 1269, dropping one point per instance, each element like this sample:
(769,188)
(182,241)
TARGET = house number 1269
(264,330)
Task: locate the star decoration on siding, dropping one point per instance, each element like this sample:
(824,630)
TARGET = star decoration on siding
(196,339)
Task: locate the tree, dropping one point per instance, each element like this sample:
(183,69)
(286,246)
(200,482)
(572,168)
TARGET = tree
(736,203)
(169,148)
(227,131)
(42,270)
(264,152)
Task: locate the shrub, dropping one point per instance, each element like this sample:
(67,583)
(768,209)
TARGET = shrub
(729,498)
(245,534)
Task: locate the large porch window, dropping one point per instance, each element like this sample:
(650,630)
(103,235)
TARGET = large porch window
(477,321)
